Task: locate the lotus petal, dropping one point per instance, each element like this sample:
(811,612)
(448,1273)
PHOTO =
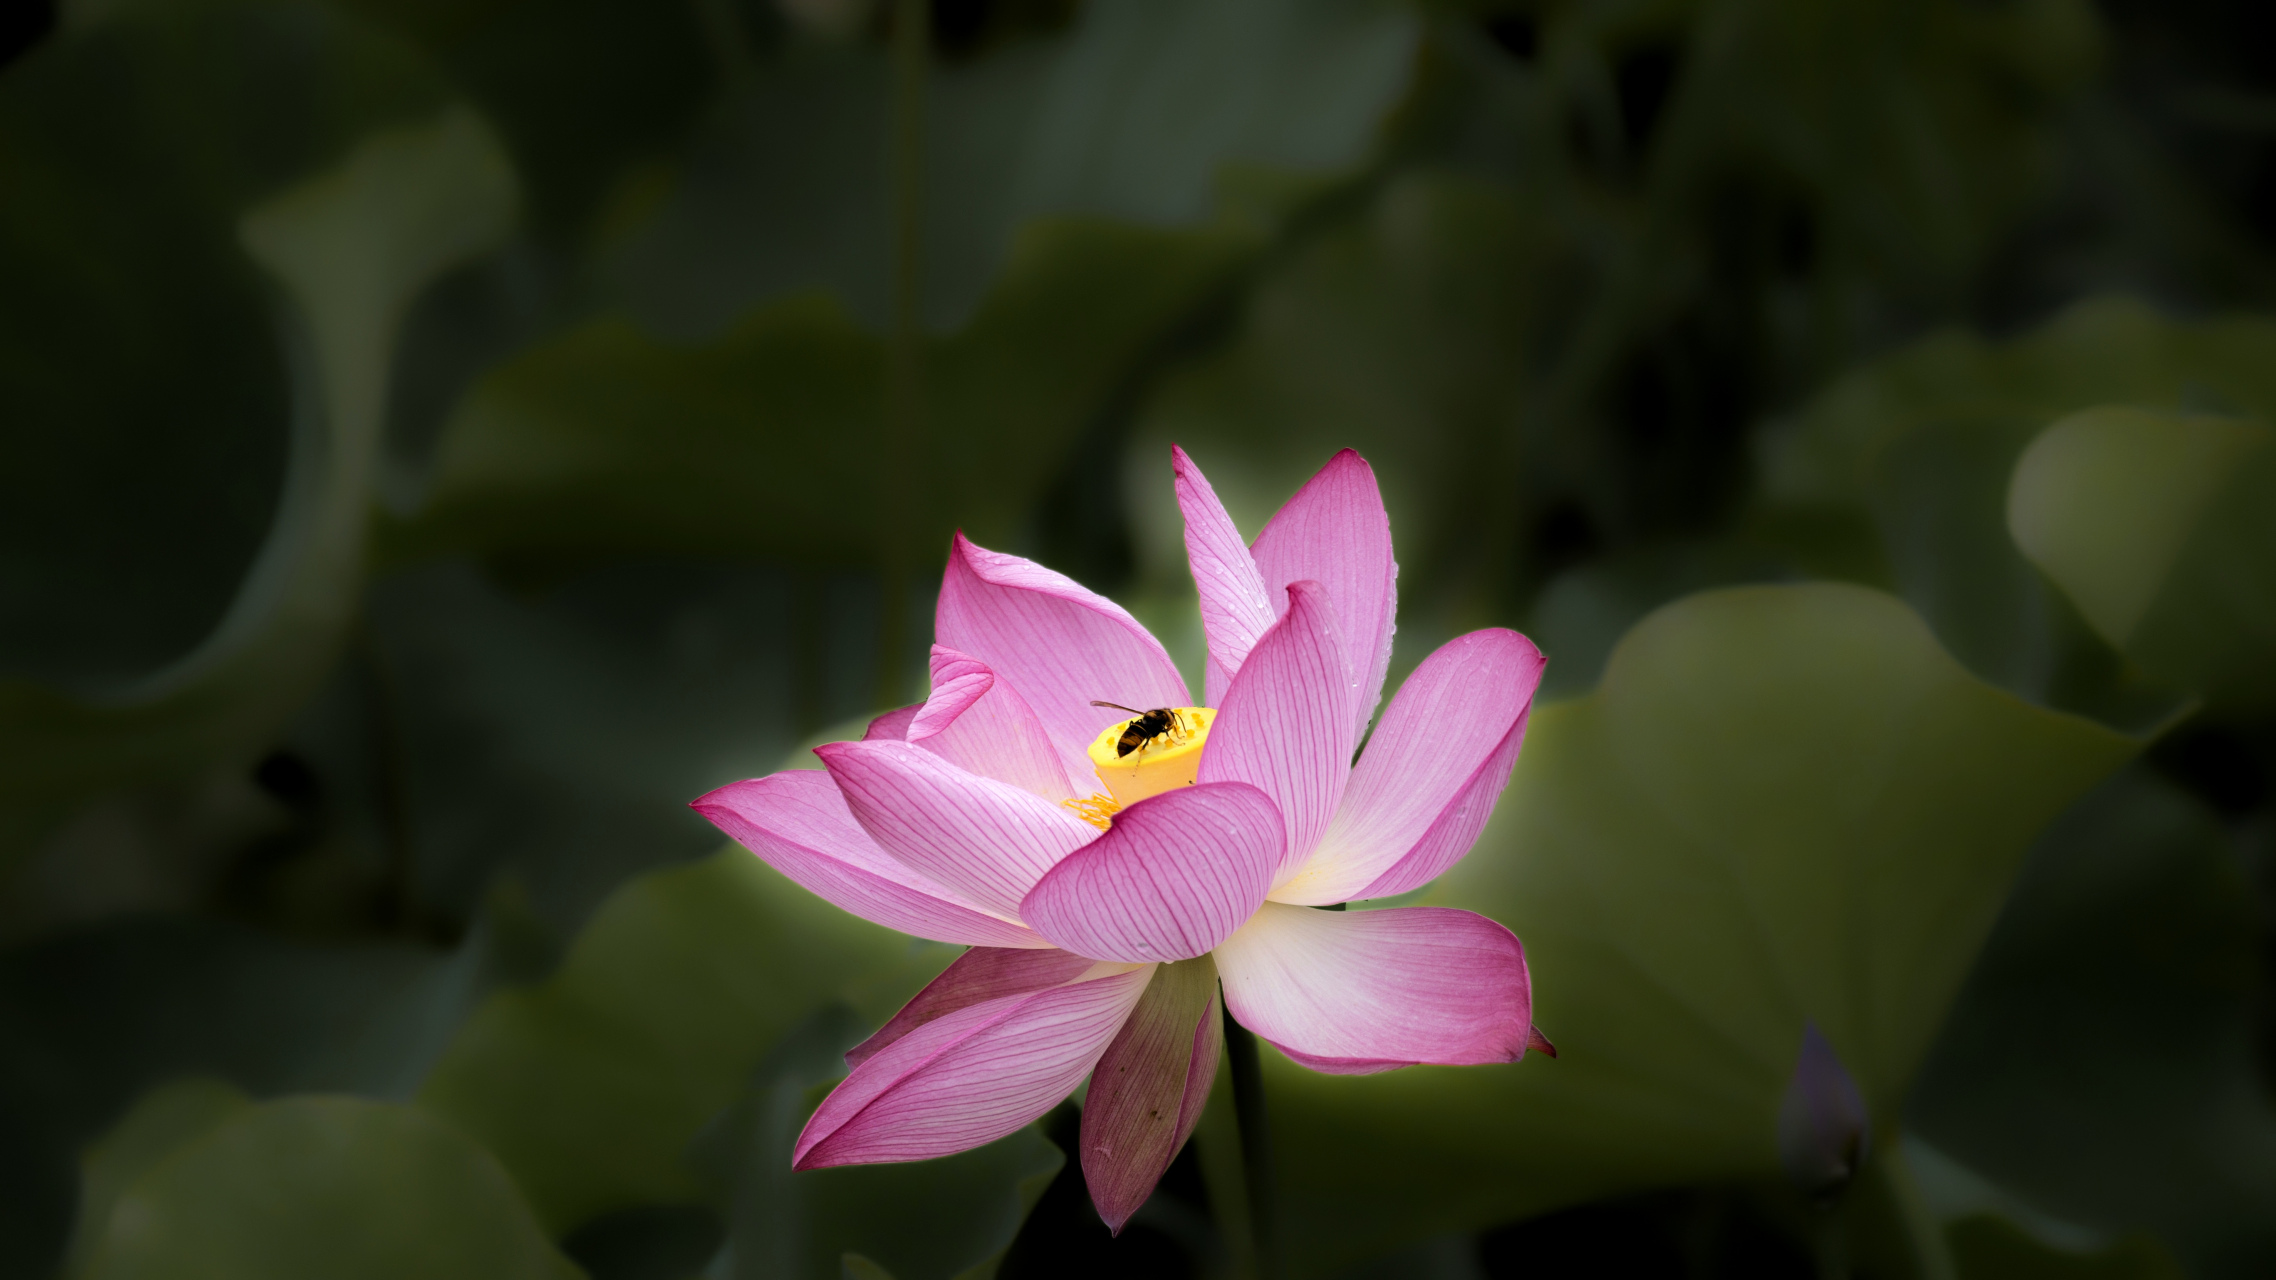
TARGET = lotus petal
(977,976)
(797,822)
(1149,1087)
(1283,728)
(978,722)
(1174,876)
(1061,646)
(1351,992)
(1430,776)
(971,1076)
(988,841)
(1236,610)
(1336,533)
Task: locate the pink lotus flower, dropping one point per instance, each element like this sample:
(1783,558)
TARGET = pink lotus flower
(1107,896)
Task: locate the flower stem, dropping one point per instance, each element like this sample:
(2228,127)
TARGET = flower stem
(1932,1253)
(1256,1142)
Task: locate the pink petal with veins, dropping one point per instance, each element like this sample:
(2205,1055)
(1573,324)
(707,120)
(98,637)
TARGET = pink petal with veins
(1431,774)
(978,722)
(893,726)
(1336,533)
(1061,646)
(1236,611)
(1456,828)
(1148,1089)
(985,840)
(977,976)
(1352,992)
(797,822)
(969,1077)
(1284,728)
(1174,876)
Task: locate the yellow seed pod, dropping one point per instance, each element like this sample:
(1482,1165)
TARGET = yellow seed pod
(1164,762)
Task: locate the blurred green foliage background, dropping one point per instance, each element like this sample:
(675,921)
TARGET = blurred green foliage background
(437,440)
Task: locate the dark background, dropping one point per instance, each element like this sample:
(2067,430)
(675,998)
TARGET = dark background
(388,553)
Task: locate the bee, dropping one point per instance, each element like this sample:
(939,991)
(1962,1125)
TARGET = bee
(1161,722)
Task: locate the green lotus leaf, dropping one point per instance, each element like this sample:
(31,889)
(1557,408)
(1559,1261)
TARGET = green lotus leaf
(588,95)
(1133,113)
(923,1220)
(140,356)
(1408,332)
(2136,911)
(1988,1247)
(96,1014)
(592,1085)
(554,737)
(2101,352)
(2160,528)
(160,1122)
(1782,805)
(1583,613)
(1919,129)
(768,441)
(350,248)
(1537,333)
(1898,475)
(322,1186)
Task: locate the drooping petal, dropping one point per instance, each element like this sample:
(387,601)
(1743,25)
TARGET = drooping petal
(971,1076)
(893,725)
(978,722)
(1283,728)
(1350,992)
(1335,532)
(1235,609)
(977,976)
(1174,876)
(987,841)
(1431,774)
(1148,1089)
(1061,646)
(797,822)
